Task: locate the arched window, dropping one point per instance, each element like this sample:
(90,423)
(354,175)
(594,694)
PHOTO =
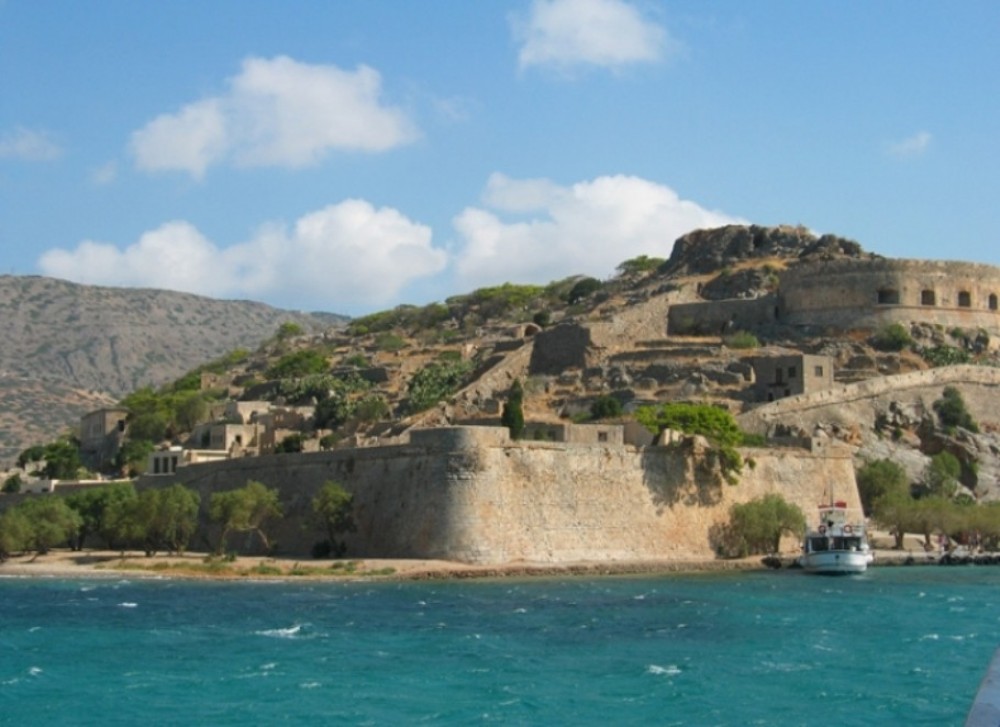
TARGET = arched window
(964,299)
(993,301)
(927,297)
(888,296)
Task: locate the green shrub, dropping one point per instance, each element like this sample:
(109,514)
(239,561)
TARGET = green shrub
(583,289)
(715,424)
(945,356)
(741,340)
(435,382)
(390,342)
(893,337)
(605,407)
(951,411)
(298,364)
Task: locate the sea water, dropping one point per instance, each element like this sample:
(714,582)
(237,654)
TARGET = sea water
(891,647)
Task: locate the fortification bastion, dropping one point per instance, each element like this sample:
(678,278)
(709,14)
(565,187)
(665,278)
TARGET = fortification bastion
(871,292)
(471,494)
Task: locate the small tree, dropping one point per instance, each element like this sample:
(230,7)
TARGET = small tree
(94,506)
(244,510)
(582,289)
(940,476)
(50,521)
(895,511)
(15,533)
(512,416)
(879,478)
(756,527)
(333,511)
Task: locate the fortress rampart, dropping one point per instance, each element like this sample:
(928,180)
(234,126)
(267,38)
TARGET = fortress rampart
(470,494)
(868,293)
(859,293)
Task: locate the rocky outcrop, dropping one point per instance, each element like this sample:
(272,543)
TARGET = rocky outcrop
(706,251)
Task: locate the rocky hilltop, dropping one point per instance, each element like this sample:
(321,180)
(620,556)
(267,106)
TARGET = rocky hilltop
(68,348)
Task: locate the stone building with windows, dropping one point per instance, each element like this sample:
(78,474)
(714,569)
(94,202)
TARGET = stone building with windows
(776,377)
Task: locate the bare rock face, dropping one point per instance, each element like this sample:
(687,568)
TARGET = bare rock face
(705,251)
(751,283)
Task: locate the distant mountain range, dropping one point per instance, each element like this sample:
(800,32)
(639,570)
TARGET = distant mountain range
(66,349)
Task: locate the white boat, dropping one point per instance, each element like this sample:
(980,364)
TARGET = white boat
(838,544)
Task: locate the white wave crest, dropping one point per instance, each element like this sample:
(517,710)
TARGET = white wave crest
(669,670)
(289,633)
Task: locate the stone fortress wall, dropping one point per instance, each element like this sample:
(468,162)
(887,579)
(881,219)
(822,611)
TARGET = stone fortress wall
(868,293)
(471,494)
(848,405)
(859,293)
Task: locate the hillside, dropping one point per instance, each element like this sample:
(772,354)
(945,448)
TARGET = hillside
(70,348)
(579,341)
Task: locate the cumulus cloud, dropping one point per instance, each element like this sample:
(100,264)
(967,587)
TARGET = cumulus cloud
(567,33)
(346,255)
(28,145)
(912,146)
(275,112)
(535,231)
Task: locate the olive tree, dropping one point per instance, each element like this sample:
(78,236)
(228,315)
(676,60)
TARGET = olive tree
(879,478)
(245,510)
(756,527)
(333,511)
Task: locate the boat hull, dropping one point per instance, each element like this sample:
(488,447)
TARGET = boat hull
(836,562)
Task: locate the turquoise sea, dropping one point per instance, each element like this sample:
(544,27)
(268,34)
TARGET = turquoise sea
(895,646)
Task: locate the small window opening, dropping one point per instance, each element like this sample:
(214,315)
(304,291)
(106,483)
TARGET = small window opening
(888,296)
(818,371)
(964,299)
(993,301)
(927,297)
(791,373)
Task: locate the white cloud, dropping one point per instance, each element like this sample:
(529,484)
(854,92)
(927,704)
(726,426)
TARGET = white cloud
(346,255)
(588,228)
(912,146)
(276,112)
(187,141)
(104,174)
(566,33)
(28,145)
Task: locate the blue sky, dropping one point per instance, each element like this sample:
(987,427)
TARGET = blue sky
(350,156)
